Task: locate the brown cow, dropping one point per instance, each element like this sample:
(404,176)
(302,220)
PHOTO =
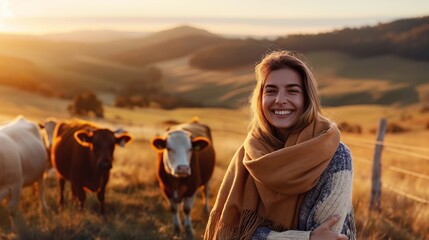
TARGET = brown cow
(185,162)
(82,153)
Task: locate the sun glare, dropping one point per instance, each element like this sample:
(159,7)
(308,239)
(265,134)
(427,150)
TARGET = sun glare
(5,12)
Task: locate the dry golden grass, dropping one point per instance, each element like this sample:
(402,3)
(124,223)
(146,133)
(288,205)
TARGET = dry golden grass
(137,210)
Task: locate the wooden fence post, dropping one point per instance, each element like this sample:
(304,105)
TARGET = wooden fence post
(376,166)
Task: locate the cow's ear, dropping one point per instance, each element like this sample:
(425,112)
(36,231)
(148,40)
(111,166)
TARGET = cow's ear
(123,140)
(199,143)
(159,143)
(83,137)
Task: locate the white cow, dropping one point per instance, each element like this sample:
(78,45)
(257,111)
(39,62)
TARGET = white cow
(23,159)
(47,128)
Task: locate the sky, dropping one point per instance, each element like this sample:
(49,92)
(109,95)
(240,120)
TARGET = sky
(246,17)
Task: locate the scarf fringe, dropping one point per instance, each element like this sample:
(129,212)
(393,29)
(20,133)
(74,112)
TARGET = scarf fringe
(249,222)
(216,229)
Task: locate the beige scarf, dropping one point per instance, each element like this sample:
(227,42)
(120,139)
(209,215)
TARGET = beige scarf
(265,182)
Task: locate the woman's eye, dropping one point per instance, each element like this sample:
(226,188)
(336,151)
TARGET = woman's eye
(270,90)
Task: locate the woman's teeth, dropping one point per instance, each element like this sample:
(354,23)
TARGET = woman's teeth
(282,112)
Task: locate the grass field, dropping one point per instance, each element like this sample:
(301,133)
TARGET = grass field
(136,209)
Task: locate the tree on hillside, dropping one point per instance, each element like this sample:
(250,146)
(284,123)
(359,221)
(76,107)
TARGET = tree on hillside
(86,104)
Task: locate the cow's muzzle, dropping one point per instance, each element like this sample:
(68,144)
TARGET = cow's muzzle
(182,171)
(105,166)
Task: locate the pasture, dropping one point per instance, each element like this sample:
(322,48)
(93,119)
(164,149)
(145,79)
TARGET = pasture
(135,208)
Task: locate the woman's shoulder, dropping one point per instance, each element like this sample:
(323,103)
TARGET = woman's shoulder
(343,150)
(342,159)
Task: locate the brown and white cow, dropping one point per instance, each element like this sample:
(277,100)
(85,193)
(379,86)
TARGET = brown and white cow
(23,158)
(82,153)
(185,162)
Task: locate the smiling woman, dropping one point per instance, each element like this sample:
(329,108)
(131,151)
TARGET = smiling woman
(292,177)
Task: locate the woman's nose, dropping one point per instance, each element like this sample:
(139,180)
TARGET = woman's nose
(281,98)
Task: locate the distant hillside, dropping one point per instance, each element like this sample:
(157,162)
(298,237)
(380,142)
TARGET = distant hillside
(122,46)
(57,68)
(27,45)
(186,66)
(235,53)
(24,75)
(94,36)
(407,38)
(165,50)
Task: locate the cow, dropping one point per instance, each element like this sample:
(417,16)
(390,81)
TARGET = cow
(82,153)
(185,162)
(23,158)
(47,128)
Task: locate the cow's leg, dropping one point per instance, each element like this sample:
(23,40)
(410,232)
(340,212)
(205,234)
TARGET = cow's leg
(41,185)
(13,205)
(187,206)
(80,193)
(61,184)
(101,193)
(175,213)
(207,196)
(3,193)
(74,194)
(100,196)
(18,224)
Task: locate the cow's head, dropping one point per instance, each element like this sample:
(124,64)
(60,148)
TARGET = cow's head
(177,147)
(48,127)
(102,143)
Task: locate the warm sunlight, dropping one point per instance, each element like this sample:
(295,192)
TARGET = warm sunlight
(272,18)
(131,70)
(5,13)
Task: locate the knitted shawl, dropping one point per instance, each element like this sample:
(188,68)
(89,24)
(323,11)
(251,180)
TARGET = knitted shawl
(265,182)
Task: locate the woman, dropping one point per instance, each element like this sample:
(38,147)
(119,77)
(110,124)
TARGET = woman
(292,177)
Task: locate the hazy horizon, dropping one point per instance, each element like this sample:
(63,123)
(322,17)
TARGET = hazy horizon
(259,27)
(248,18)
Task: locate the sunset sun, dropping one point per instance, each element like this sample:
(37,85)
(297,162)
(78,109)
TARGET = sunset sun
(5,14)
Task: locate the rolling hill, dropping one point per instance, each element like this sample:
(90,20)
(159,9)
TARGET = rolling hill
(94,36)
(192,67)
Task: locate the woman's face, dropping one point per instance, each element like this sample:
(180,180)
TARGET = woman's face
(283,100)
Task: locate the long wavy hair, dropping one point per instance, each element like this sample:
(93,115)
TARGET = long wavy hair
(273,61)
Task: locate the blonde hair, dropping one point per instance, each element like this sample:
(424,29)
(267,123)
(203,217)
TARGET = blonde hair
(279,60)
